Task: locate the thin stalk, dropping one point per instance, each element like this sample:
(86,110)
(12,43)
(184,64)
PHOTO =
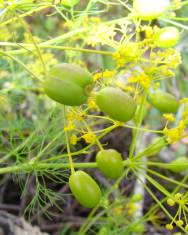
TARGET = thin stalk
(20,63)
(67,142)
(40,166)
(84,150)
(140,117)
(96,139)
(24,14)
(166,178)
(174,23)
(41,46)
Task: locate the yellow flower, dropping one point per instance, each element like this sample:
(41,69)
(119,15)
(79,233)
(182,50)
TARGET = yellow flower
(176,133)
(174,59)
(95,19)
(89,137)
(126,88)
(108,73)
(49,60)
(148,31)
(181,201)
(79,115)
(179,222)
(185,114)
(169,117)
(101,34)
(170,202)
(97,76)
(118,210)
(70,126)
(178,196)
(165,71)
(143,79)
(131,207)
(169,58)
(104,74)
(70,116)
(68,24)
(184,100)
(73,139)
(130,52)
(169,227)
(91,103)
(28,39)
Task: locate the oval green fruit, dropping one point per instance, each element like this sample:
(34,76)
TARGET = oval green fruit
(148,9)
(85,189)
(110,163)
(69,3)
(116,103)
(164,102)
(166,37)
(68,84)
(179,164)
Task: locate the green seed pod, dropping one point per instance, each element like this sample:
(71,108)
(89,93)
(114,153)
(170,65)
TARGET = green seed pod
(110,163)
(68,84)
(164,102)
(85,189)
(148,9)
(116,103)
(166,37)
(179,164)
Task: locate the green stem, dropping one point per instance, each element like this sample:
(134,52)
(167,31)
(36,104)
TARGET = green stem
(138,124)
(174,23)
(67,142)
(39,166)
(41,46)
(20,63)
(165,178)
(33,165)
(84,150)
(24,14)
(96,139)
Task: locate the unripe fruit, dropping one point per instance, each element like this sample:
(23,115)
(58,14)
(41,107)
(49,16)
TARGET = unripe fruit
(110,163)
(116,103)
(85,189)
(148,9)
(166,37)
(69,2)
(68,84)
(179,164)
(164,102)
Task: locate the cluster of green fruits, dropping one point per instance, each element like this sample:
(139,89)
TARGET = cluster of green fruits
(70,85)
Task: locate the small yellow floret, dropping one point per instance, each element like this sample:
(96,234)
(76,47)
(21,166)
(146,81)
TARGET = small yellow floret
(169,227)
(170,202)
(179,222)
